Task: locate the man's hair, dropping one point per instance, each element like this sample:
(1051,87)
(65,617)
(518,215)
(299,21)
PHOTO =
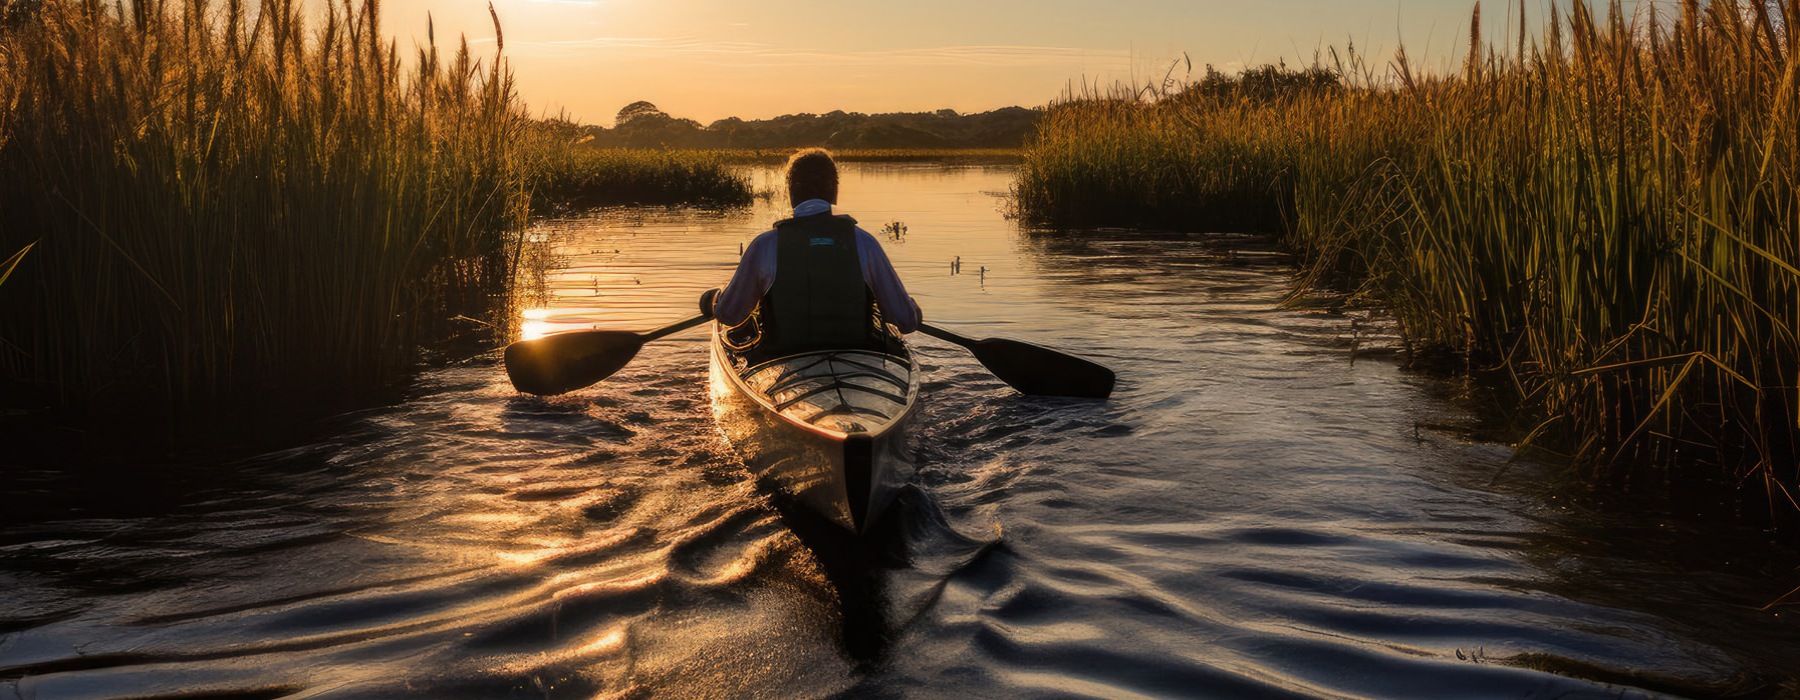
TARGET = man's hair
(811,174)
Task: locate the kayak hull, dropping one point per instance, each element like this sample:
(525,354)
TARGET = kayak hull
(832,429)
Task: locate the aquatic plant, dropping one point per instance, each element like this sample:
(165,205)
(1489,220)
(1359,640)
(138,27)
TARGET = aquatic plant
(233,205)
(565,174)
(1118,160)
(1607,214)
(12,262)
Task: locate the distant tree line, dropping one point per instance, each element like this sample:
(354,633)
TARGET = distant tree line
(641,125)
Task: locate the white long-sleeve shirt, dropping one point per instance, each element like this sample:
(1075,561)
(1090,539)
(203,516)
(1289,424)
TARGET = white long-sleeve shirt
(756,272)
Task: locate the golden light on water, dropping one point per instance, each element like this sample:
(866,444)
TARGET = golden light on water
(542,549)
(536,324)
(607,643)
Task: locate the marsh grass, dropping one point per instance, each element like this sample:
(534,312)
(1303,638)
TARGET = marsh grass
(12,262)
(572,175)
(951,156)
(235,207)
(1117,160)
(1607,214)
(567,173)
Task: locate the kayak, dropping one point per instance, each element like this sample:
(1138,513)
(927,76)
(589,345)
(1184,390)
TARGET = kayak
(832,429)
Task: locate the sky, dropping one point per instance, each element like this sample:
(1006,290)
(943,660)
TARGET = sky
(710,59)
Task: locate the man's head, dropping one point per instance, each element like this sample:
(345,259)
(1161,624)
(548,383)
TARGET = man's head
(811,174)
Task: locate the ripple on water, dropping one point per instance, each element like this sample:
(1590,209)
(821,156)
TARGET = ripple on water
(1253,513)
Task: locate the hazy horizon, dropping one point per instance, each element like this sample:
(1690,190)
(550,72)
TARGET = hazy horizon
(707,60)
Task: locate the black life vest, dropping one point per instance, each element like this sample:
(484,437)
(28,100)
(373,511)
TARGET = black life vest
(819,299)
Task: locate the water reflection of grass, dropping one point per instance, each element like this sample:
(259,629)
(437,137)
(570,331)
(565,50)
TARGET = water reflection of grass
(1608,214)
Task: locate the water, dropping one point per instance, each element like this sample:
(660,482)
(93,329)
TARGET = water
(1266,507)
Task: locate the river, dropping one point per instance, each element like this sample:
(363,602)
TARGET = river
(1268,506)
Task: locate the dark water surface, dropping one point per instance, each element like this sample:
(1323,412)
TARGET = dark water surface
(1266,507)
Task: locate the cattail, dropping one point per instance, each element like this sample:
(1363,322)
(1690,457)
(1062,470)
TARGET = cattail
(1472,62)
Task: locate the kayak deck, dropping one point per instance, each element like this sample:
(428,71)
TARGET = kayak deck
(842,391)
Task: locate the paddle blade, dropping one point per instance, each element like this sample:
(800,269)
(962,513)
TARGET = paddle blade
(1040,371)
(561,363)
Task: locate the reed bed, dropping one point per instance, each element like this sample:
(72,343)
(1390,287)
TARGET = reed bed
(953,156)
(573,175)
(231,207)
(569,174)
(1119,160)
(1606,213)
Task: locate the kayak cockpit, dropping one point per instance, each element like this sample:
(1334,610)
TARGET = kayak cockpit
(843,391)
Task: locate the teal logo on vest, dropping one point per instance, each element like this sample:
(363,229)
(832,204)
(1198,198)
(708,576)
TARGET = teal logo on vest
(819,240)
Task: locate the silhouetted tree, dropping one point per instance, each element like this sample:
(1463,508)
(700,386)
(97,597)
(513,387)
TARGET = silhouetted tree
(638,110)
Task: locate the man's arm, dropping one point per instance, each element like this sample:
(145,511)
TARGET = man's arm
(755,272)
(896,307)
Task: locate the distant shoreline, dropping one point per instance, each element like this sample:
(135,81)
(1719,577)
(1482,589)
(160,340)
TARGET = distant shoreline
(642,125)
(958,156)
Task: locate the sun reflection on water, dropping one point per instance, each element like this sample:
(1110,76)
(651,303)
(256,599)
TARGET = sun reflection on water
(535,324)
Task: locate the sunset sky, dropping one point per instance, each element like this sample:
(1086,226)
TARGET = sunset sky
(709,59)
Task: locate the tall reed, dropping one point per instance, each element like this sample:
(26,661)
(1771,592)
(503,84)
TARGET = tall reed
(1608,213)
(236,204)
(576,175)
(1114,159)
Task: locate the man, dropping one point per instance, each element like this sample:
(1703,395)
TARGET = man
(816,279)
